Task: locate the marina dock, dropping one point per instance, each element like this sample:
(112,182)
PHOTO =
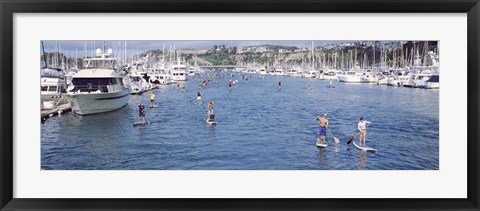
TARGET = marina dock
(55,111)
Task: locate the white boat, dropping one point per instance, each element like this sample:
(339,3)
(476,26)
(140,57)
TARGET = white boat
(99,86)
(369,77)
(399,79)
(192,71)
(328,75)
(351,77)
(179,71)
(164,79)
(312,74)
(52,83)
(278,72)
(419,79)
(262,71)
(294,72)
(136,83)
(433,82)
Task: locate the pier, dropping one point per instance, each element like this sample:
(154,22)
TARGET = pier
(55,111)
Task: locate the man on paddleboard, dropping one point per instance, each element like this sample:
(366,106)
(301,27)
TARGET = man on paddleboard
(141,112)
(362,127)
(323,127)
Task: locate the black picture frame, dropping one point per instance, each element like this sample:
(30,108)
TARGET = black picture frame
(10,7)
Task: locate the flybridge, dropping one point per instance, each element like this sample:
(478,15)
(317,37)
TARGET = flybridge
(103,60)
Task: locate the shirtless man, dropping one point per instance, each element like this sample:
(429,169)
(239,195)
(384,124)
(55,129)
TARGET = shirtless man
(323,127)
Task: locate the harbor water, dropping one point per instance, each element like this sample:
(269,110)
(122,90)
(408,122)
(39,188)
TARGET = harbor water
(259,128)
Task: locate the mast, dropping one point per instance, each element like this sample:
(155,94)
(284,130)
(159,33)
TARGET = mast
(313,57)
(45,63)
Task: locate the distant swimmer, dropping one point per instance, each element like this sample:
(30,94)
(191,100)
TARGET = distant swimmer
(323,127)
(309,87)
(362,127)
(230,84)
(152,99)
(141,113)
(199,94)
(279,85)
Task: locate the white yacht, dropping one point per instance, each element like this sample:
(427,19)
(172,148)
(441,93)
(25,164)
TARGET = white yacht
(369,77)
(313,74)
(262,71)
(419,79)
(329,75)
(292,72)
(53,84)
(137,85)
(164,79)
(179,71)
(278,71)
(99,86)
(399,79)
(351,77)
(433,82)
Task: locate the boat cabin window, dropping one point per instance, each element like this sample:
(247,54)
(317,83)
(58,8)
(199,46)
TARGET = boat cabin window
(44,88)
(52,88)
(99,64)
(94,81)
(350,73)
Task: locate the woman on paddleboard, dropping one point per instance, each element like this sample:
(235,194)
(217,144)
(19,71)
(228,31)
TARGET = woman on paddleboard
(362,127)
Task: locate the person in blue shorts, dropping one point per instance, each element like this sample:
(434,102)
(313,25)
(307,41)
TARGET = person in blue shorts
(323,127)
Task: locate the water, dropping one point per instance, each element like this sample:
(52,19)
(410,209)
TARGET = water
(259,128)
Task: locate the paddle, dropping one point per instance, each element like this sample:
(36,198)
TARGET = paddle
(334,138)
(350,141)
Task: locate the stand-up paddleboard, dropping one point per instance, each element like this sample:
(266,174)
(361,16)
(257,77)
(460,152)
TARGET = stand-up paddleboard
(211,122)
(154,106)
(364,148)
(330,86)
(140,123)
(320,144)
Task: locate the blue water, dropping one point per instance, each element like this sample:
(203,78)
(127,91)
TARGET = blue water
(259,128)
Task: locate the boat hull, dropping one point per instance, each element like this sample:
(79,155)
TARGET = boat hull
(93,103)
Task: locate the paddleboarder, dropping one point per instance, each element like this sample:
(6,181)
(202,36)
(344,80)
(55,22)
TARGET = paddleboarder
(323,127)
(152,99)
(141,112)
(362,127)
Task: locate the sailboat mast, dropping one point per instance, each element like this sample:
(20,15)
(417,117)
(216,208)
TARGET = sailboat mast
(45,64)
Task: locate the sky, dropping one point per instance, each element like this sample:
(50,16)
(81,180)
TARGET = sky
(77,47)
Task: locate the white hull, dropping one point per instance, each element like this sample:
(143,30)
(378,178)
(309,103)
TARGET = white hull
(92,103)
(432,85)
(179,78)
(349,79)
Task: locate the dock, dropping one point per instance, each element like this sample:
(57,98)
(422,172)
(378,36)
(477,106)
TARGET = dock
(45,114)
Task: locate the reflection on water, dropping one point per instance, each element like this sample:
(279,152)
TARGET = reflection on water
(363,160)
(259,128)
